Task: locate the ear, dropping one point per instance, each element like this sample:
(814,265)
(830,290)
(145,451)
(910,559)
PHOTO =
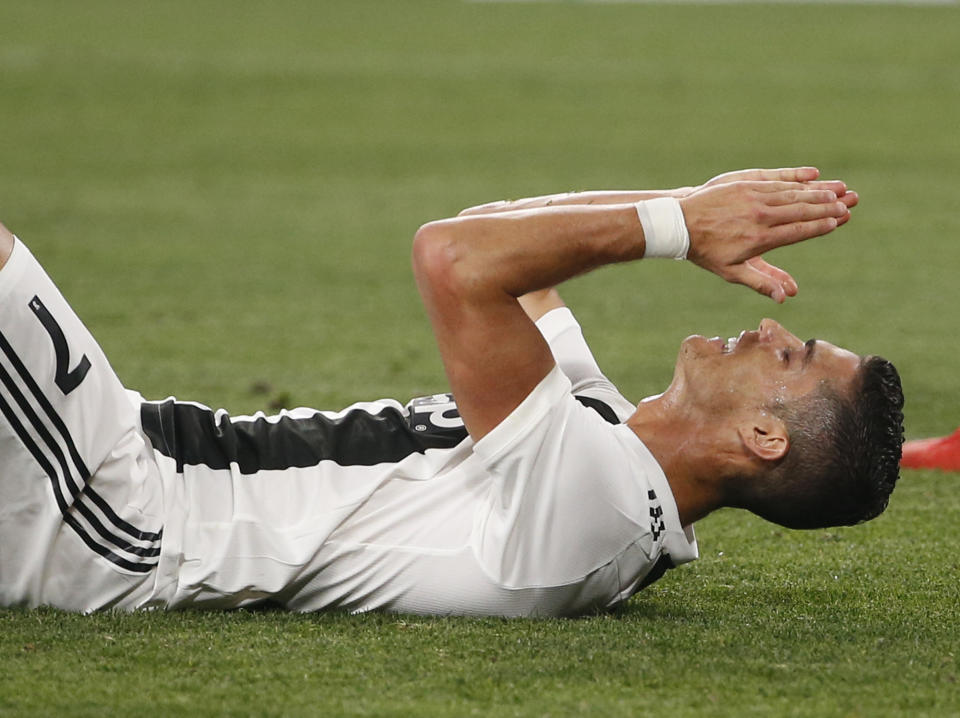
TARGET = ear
(765,436)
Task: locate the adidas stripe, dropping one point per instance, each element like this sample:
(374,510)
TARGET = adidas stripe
(45,435)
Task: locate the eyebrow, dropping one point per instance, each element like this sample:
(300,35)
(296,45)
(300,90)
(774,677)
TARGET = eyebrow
(811,347)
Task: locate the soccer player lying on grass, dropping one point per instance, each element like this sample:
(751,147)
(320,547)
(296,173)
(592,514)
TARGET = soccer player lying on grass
(553,495)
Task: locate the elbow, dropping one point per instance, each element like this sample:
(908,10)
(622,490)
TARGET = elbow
(427,243)
(434,255)
(449,263)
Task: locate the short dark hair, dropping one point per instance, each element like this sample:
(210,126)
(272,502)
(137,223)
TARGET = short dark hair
(844,455)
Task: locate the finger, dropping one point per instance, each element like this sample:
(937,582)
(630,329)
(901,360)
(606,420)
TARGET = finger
(792,174)
(777,186)
(785,234)
(781,174)
(802,212)
(793,196)
(761,282)
(787,282)
(836,186)
(805,176)
(825,191)
(780,284)
(850,199)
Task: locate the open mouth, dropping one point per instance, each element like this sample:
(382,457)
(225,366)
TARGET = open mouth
(733,342)
(725,346)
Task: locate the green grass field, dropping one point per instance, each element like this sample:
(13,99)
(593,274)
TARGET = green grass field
(226,192)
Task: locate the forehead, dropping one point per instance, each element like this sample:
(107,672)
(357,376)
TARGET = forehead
(830,363)
(831,355)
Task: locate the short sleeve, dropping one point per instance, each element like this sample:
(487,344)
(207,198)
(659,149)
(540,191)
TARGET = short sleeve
(572,354)
(567,495)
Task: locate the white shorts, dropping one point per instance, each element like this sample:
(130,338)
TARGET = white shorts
(80,499)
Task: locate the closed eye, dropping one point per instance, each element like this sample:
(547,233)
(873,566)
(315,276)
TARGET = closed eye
(785,356)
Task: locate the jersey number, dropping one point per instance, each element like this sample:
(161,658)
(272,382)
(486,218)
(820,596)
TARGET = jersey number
(436,416)
(67,379)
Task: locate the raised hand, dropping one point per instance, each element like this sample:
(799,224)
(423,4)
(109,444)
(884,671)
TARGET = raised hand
(732,221)
(809,176)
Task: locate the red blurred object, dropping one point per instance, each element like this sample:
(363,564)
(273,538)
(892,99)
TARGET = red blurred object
(938,453)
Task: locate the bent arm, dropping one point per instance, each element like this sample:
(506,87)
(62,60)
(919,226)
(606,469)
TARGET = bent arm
(472,269)
(470,272)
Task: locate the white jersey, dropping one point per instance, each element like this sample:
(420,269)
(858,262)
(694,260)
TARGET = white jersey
(557,511)
(81,503)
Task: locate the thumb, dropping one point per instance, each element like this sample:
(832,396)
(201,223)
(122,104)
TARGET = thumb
(786,282)
(759,281)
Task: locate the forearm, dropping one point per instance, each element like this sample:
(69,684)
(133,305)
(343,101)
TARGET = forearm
(576,198)
(807,175)
(522,251)
(730,224)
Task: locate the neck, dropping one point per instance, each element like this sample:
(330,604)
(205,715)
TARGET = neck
(680,443)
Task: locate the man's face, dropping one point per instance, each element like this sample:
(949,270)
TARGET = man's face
(758,369)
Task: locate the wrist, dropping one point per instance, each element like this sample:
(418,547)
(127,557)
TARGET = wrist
(664,228)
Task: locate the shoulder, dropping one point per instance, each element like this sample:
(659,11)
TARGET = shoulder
(540,412)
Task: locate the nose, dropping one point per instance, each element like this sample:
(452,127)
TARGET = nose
(771,330)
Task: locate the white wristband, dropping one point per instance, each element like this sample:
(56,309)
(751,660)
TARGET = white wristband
(664,229)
